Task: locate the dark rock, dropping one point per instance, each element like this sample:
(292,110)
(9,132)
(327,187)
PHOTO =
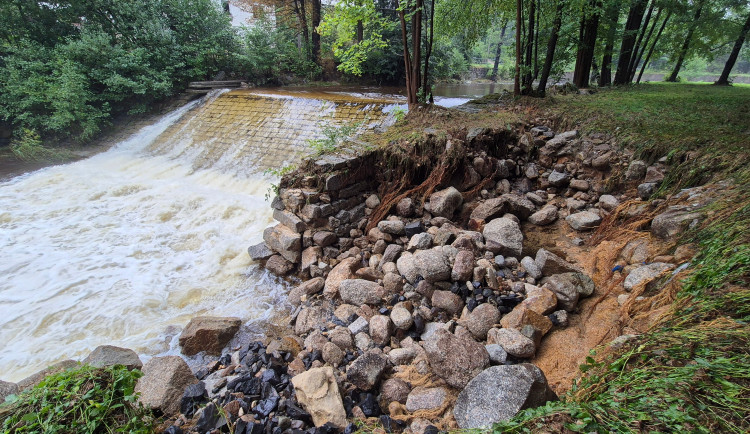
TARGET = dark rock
(646,190)
(324,238)
(365,372)
(259,251)
(413,228)
(209,418)
(173,430)
(279,266)
(499,393)
(369,405)
(194,395)
(249,385)
(266,406)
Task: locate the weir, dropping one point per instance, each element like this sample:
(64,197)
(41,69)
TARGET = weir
(125,247)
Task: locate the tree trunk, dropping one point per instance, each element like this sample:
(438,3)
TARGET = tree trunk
(686,44)
(425,76)
(613,13)
(517,78)
(299,9)
(551,45)
(628,40)
(639,53)
(536,39)
(651,50)
(586,45)
(315,34)
(644,27)
(493,77)
(527,82)
(724,78)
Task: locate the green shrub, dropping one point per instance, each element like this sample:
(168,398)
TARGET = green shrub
(82,400)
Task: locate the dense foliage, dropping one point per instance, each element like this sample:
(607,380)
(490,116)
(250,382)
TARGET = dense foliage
(83,400)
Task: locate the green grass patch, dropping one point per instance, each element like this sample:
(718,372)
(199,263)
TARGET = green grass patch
(82,400)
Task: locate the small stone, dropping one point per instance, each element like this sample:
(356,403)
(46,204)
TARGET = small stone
(163,383)
(366,370)
(454,359)
(401,318)
(333,354)
(324,238)
(498,355)
(381,329)
(413,228)
(482,319)
(259,251)
(503,236)
(636,170)
(405,207)
(531,267)
(646,190)
(447,301)
(512,341)
(583,221)
(608,202)
(579,184)
(393,227)
(522,316)
(395,389)
(359,292)
(545,216)
(372,201)
(422,398)
(279,266)
(559,179)
(463,266)
(422,241)
(646,275)
(109,355)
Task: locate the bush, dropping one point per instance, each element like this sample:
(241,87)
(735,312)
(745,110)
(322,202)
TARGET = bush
(83,400)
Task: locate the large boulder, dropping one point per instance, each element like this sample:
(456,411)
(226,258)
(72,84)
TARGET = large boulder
(454,359)
(674,221)
(503,236)
(163,383)
(318,393)
(432,264)
(445,202)
(365,372)
(359,291)
(284,241)
(209,334)
(499,393)
(109,355)
(646,275)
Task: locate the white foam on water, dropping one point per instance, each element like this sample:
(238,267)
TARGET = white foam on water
(117,248)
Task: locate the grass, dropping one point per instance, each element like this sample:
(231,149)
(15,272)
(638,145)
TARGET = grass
(691,372)
(82,400)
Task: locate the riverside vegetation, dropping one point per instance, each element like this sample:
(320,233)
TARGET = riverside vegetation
(687,371)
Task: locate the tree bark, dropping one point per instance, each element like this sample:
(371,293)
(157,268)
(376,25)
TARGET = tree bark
(551,45)
(628,40)
(315,35)
(641,34)
(536,38)
(586,45)
(724,78)
(425,76)
(527,82)
(517,78)
(299,9)
(498,52)
(639,53)
(613,13)
(651,50)
(686,44)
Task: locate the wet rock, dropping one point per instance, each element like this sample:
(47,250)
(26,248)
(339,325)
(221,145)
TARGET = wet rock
(447,301)
(209,334)
(445,202)
(646,274)
(306,288)
(359,292)
(636,170)
(569,287)
(608,202)
(584,220)
(531,267)
(381,329)
(163,383)
(454,359)
(499,393)
(284,241)
(259,251)
(674,221)
(279,266)
(512,341)
(503,236)
(545,216)
(423,398)
(324,238)
(109,355)
(318,393)
(540,300)
(481,320)
(463,266)
(342,271)
(550,264)
(422,241)
(646,190)
(394,389)
(401,318)
(433,265)
(365,372)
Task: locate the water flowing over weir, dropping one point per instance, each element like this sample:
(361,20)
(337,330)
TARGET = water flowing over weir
(122,247)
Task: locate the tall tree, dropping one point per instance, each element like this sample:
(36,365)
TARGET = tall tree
(653,45)
(517,77)
(551,46)
(724,78)
(639,52)
(686,45)
(632,26)
(527,77)
(612,15)
(586,44)
(637,47)
(316,5)
(498,51)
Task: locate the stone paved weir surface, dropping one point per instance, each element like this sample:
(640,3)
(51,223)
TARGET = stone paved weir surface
(247,131)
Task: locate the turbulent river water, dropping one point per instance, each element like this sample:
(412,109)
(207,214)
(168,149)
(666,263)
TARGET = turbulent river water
(123,248)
